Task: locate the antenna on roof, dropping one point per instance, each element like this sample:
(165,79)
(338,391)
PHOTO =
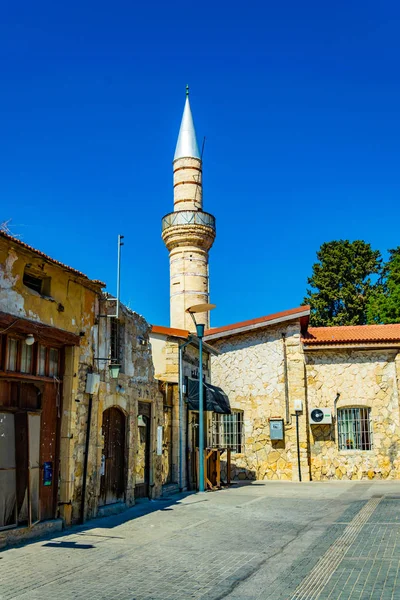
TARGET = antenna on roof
(4,227)
(120,243)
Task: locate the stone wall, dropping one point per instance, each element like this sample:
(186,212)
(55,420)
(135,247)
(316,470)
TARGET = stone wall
(252,371)
(363,379)
(135,383)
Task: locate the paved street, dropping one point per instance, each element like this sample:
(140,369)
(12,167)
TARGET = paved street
(275,541)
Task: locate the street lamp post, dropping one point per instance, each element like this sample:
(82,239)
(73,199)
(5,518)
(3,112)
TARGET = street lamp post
(200,333)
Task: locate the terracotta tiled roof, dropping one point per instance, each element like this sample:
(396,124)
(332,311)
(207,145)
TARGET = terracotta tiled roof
(352,334)
(48,258)
(183,333)
(293,313)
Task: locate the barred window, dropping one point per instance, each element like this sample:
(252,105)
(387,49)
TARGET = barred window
(116,342)
(354,429)
(227,431)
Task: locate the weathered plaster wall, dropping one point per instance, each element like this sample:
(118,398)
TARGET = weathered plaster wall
(366,379)
(251,370)
(158,343)
(71,304)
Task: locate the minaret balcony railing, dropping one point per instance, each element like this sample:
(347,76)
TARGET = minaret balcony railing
(188,217)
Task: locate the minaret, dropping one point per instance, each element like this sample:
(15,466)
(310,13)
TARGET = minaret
(188,232)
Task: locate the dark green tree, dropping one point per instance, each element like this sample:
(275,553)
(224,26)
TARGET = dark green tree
(341,284)
(384,302)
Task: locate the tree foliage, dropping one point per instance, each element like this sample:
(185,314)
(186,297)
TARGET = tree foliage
(384,303)
(341,284)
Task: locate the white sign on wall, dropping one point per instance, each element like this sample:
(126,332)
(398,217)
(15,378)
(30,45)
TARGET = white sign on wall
(159,440)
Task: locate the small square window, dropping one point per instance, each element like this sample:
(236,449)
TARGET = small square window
(37,283)
(32,282)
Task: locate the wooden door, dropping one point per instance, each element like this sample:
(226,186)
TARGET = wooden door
(143,454)
(167,437)
(49,450)
(112,482)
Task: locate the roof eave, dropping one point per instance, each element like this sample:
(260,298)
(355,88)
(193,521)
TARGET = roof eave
(253,326)
(351,345)
(92,283)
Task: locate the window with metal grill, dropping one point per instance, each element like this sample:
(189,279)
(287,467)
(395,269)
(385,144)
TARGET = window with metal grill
(116,337)
(227,431)
(354,429)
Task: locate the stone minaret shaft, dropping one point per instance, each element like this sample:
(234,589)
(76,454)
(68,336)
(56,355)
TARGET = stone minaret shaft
(188,232)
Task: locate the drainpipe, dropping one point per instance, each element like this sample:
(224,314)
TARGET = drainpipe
(298,444)
(86,459)
(285,375)
(181,348)
(335,404)
(336,425)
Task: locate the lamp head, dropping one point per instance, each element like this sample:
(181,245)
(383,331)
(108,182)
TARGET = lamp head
(114,370)
(200,308)
(29,340)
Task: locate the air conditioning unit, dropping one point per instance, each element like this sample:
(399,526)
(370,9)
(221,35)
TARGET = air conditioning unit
(320,416)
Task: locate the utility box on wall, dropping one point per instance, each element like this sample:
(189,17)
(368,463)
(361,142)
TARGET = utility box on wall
(276,429)
(92,383)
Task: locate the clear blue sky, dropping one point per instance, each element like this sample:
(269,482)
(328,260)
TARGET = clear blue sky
(299,102)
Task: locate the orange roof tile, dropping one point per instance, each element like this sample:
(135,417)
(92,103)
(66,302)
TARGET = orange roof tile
(48,258)
(352,334)
(183,333)
(295,313)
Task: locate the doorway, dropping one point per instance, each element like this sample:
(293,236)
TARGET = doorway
(167,464)
(29,426)
(143,454)
(112,480)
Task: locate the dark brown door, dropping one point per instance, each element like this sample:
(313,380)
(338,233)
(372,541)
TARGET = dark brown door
(112,482)
(49,450)
(167,437)
(143,454)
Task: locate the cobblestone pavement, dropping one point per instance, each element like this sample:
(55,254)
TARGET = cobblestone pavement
(272,541)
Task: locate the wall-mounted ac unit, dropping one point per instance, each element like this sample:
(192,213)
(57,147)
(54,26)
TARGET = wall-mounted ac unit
(320,416)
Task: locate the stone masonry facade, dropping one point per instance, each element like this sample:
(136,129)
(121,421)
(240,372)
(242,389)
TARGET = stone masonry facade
(251,370)
(367,378)
(264,371)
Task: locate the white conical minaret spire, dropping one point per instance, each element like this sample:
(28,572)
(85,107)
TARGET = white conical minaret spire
(187,143)
(188,232)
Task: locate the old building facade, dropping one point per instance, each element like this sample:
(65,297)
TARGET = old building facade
(98,408)
(277,371)
(75,442)
(176,362)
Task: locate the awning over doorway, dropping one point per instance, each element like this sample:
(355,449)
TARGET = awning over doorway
(215,399)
